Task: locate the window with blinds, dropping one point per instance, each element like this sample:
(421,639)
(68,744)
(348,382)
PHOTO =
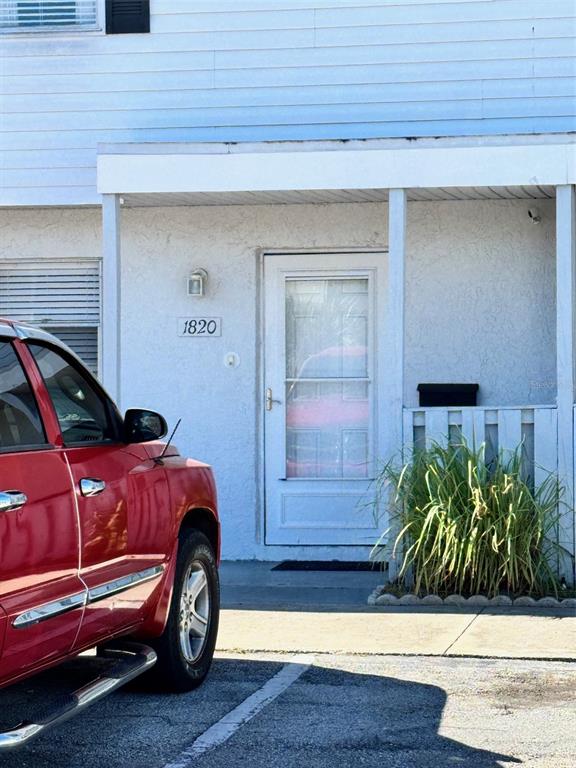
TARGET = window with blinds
(62,297)
(30,15)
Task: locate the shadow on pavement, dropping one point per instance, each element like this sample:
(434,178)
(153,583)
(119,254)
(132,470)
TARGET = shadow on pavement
(381,719)
(329,718)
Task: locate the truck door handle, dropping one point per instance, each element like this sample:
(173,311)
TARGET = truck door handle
(12,500)
(91,486)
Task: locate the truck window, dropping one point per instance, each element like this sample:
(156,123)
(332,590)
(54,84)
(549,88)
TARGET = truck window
(20,423)
(82,412)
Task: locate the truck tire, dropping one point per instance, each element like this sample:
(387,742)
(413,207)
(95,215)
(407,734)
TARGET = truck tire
(186,647)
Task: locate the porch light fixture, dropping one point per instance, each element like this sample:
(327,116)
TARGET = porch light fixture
(197,283)
(534,215)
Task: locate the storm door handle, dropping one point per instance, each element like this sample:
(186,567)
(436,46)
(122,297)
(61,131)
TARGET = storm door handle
(270,400)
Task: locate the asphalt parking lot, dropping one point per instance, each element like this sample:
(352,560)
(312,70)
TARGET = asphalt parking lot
(320,711)
(307,675)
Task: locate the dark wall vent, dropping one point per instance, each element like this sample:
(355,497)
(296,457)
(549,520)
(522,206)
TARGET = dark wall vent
(446,395)
(126,16)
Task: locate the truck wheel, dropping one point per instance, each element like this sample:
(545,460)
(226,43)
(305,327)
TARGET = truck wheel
(186,647)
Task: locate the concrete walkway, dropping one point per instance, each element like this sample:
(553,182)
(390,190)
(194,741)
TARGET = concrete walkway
(326,612)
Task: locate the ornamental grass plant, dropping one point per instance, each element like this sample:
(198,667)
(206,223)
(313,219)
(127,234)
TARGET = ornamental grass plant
(461,525)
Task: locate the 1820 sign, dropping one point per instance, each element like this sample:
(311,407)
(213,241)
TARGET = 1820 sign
(200,327)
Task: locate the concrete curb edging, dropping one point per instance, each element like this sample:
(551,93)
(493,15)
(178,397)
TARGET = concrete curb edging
(380,597)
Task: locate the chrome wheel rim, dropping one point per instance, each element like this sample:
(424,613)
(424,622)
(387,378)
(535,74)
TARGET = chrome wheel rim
(194,611)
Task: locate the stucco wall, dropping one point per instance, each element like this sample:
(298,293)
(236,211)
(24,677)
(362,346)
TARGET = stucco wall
(480,307)
(481,300)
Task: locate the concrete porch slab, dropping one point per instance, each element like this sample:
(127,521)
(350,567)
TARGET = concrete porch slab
(425,632)
(326,612)
(512,633)
(254,584)
(347,632)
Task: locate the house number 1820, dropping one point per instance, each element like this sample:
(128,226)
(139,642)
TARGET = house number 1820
(199,326)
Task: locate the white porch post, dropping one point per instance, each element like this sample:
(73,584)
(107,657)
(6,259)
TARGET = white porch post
(566,357)
(393,392)
(110,303)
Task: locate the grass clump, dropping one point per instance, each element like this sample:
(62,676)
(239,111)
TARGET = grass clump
(460,525)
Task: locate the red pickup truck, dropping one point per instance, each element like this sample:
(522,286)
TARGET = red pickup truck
(108,537)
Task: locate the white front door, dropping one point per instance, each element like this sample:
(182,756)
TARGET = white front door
(323,314)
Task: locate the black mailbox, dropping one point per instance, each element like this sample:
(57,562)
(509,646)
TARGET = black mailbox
(447,395)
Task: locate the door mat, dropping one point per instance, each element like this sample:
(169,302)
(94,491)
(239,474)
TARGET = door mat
(325,565)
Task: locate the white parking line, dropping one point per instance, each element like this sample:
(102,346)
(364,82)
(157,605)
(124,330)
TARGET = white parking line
(221,731)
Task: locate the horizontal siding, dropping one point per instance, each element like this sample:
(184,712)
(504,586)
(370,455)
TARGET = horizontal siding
(203,117)
(33,75)
(245,48)
(299,69)
(284,133)
(314,96)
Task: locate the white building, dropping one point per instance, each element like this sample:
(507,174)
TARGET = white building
(381,194)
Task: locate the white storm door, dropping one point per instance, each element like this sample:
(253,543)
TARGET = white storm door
(320,411)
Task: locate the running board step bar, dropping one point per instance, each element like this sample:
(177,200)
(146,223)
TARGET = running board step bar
(130,660)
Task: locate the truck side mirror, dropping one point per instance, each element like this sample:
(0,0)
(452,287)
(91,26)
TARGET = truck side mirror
(141,426)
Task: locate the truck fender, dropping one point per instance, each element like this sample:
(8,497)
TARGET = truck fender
(155,622)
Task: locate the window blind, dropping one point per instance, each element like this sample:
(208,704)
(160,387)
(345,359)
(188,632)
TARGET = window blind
(30,14)
(82,341)
(62,297)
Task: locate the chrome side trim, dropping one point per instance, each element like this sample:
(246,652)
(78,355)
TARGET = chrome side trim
(49,610)
(102,591)
(79,600)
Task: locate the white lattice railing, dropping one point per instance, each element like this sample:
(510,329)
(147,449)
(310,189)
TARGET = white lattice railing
(502,429)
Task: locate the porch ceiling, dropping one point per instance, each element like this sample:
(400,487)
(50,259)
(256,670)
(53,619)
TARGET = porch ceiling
(333,196)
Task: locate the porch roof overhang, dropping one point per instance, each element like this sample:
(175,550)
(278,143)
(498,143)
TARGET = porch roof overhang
(159,174)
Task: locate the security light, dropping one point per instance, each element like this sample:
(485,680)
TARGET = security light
(197,283)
